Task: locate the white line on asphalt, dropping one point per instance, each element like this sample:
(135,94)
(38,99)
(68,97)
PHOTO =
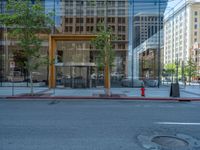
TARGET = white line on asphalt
(179,123)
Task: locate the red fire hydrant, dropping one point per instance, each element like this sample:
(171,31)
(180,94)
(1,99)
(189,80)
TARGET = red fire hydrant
(142,91)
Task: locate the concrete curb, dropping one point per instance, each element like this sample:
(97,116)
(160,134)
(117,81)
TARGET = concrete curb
(98,97)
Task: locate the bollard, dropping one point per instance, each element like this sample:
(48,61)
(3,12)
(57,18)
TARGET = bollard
(142,91)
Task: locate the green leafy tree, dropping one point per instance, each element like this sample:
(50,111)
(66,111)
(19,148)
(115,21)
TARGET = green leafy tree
(170,69)
(106,54)
(190,69)
(26,21)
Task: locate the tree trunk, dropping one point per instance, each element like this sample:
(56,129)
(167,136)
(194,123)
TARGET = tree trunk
(107,80)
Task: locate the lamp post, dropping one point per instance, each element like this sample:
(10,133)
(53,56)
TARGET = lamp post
(177,63)
(158,53)
(184,46)
(132,61)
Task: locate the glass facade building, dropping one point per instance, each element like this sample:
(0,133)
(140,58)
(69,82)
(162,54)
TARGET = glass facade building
(136,24)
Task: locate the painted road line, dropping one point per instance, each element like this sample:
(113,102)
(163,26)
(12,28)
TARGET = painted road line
(178,123)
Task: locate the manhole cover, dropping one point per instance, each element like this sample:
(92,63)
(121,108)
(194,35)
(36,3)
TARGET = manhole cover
(170,141)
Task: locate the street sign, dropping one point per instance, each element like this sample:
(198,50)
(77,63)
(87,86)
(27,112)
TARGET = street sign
(12,64)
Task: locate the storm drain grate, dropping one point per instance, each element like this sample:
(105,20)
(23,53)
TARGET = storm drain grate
(170,142)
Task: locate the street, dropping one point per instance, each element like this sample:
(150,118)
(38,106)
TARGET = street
(96,124)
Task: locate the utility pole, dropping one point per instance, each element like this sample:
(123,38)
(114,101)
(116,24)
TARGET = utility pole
(158,50)
(177,68)
(132,61)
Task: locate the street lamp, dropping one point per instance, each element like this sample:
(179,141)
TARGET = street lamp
(177,63)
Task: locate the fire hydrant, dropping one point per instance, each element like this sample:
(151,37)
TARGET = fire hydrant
(142,91)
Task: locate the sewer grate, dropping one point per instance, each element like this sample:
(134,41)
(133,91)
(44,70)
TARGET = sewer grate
(170,142)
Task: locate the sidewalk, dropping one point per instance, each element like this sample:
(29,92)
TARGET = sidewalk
(162,92)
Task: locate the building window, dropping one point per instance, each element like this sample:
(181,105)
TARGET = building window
(90,12)
(79,20)
(195,33)
(100,20)
(111,4)
(90,20)
(121,29)
(79,11)
(111,12)
(90,29)
(121,20)
(112,28)
(195,13)
(121,12)
(100,12)
(77,29)
(68,29)
(69,3)
(121,46)
(136,18)
(195,26)
(100,4)
(68,11)
(121,4)
(111,20)
(195,40)
(79,3)
(121,37)
(68,20)
(195,19)
(81,28)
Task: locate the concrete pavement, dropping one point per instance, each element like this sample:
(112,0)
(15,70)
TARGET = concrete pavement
(191,92)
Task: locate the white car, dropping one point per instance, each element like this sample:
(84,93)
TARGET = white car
(127,82)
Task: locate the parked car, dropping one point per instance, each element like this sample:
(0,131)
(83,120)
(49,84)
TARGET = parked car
(127,82)
(151,83)
(116,75)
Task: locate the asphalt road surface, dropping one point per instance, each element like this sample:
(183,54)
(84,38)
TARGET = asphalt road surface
(97,124)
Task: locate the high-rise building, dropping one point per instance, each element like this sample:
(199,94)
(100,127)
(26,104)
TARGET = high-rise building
(181,31)
(81,17)
(145,25)
(84,17)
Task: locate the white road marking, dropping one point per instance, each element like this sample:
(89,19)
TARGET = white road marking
(179,123)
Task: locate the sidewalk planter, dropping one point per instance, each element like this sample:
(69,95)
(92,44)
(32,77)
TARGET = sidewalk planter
(174,90)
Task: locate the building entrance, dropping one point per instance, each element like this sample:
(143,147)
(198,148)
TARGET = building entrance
(75,76)
(70,64)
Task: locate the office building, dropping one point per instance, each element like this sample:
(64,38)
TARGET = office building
(146,25)
(181,31)
(80,17)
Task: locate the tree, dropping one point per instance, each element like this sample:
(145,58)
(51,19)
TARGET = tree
(26,21)
(169,69)
(106,54)
(190,69)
